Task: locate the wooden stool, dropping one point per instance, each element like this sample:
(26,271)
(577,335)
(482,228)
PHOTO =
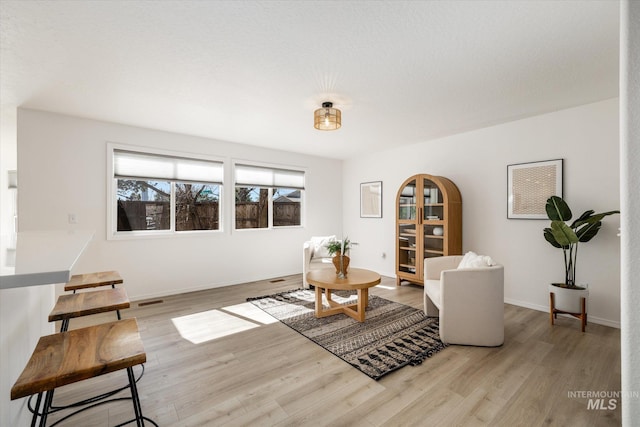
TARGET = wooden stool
(86,303)
(80,354)
(93,280)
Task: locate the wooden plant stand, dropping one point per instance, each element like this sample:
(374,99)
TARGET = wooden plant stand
(553,312)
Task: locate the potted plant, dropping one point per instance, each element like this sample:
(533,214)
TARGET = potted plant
(335,247)
(566,236)
(339,249)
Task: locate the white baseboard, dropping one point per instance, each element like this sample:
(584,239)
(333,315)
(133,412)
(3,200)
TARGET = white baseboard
(590,319)
(204,287)
(155,295)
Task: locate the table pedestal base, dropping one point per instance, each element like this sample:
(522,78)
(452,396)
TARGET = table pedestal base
(355,311)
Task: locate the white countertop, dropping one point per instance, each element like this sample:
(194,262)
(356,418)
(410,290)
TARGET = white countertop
(45,257)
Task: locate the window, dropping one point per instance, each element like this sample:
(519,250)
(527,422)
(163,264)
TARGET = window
(144,205)
(158,193)
(267,197)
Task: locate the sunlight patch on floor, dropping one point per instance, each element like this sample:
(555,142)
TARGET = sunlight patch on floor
(251,312)
(210,325)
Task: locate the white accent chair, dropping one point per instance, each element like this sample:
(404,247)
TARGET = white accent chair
(468,301)
(315,256)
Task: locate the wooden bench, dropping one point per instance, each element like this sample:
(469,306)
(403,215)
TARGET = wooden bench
(93,280)
(87,303)
(80,354)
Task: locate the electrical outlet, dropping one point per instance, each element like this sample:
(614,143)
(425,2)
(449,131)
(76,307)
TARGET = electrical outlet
(73,219)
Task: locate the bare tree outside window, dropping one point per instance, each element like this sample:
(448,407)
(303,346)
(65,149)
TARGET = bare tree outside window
(197,207)
(252,207)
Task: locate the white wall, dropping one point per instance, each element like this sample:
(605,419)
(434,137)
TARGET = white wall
(62,169)
(23,311)
(586,138)
(8,162)
(630,179)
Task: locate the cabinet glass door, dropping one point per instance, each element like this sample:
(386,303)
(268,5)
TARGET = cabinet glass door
(407,228)
(407,205)
(433,220)
(407,245)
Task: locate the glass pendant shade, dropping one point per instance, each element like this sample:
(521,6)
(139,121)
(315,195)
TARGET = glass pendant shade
(327,117)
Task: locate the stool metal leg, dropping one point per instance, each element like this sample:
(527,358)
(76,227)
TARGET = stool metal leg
(36,410)
(117,311)
(64,325)
(135,398)
(48,398)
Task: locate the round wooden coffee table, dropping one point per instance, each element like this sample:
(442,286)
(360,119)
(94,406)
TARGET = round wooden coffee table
(357,279)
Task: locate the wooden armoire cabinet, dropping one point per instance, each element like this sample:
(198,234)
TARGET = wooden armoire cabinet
(428,224)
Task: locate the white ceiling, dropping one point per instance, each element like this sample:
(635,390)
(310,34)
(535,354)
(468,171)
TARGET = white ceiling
(254,71)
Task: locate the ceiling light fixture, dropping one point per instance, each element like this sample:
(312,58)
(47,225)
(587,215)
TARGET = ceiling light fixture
(327,117)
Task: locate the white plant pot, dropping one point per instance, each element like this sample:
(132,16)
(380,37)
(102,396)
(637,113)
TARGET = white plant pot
(566,299)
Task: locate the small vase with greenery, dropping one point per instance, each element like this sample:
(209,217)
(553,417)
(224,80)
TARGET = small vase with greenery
(337,247)
(566,237)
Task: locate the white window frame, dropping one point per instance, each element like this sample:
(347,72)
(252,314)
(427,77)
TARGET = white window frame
(112,195)
(272,166)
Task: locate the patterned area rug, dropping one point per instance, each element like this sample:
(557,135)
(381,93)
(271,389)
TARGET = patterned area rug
(392,336)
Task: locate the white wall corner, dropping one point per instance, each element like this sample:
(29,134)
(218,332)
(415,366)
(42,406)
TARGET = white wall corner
(630,206)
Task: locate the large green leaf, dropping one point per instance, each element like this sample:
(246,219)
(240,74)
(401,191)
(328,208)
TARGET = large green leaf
(587,227)
(584,217)
(548,236)
(557,209)
(588,231)
(591,218)
(563,234)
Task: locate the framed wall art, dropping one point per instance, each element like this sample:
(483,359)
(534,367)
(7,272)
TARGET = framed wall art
(529,185)
(371,199)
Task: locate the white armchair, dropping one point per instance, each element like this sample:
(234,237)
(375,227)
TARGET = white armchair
(315,256)
(468,301)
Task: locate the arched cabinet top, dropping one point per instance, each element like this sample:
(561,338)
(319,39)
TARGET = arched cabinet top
(449,190)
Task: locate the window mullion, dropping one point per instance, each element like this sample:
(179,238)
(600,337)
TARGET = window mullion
(172,198)
(114,206)
(270,207)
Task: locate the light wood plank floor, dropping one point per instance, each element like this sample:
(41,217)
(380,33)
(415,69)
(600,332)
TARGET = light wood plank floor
(269,375)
